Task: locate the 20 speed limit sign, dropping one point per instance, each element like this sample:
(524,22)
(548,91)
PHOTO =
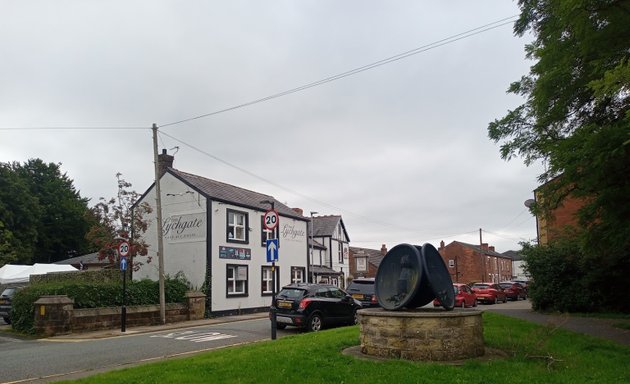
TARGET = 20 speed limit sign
(123,249)
(271,219)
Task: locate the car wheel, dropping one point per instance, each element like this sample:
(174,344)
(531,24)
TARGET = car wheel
(463,303)
(505,300)
(280,326)
(496,299)
(314,323)
(474,303)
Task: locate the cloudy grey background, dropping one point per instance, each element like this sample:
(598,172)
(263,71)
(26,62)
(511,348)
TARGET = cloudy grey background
(400,151)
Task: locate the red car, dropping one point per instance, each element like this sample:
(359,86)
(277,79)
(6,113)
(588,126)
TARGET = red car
(489,293)
(464,297)
(514,291)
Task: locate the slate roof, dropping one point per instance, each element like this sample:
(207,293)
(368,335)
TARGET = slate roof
(324,270)
(514,255)
(218,191)
(324,226)
(90,258)
(374,256)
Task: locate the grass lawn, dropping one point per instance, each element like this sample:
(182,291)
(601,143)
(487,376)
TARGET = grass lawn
(535,354)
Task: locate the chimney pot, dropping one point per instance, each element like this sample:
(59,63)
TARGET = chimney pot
(383,250)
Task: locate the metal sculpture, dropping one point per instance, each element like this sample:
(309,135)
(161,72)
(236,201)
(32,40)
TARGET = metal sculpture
(411,276)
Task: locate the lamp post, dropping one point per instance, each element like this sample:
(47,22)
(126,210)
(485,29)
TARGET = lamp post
(272,308)
(311,258)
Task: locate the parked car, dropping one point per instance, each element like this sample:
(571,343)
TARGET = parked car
(464,296)
(314,306)
(489,293)
(513,290)
(362,289)
(5,303)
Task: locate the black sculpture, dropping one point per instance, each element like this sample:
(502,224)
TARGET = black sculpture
(411,276)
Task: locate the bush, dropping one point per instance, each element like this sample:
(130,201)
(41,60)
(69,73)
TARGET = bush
(560,279)
(94,295)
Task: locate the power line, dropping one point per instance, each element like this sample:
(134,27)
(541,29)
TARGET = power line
(76,128)
(400,56)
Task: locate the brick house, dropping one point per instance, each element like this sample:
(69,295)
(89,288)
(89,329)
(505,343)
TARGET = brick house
(364,262)
(554,222)
(467,262)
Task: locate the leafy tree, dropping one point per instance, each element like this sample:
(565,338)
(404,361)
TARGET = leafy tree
(576,118)
(115,219)
(63,219)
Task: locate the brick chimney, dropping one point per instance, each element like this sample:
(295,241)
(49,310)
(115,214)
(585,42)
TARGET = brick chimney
(299,211)
(491,248)
(383,250)
(442,244)
(164,161)
(484,246)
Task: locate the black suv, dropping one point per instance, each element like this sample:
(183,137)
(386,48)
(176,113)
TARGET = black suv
(312,306)
(5,303)
(362,289)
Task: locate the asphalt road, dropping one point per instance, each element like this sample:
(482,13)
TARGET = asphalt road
(46,360)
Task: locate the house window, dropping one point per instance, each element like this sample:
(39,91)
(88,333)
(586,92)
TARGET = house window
(361,263)
(237,225)
(340,252)
(297,275)
(266,234)
(451,263)
(266,280)
(236,280)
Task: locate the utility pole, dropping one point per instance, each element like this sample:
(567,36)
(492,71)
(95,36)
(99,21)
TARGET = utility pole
(158,202)
(483,259)
(310,260)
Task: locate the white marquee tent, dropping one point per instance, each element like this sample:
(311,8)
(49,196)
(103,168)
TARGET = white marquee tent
(15,274)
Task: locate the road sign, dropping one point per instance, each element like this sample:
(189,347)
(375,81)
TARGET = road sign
(272,250)
(271,219)
(123,249)
(123,263)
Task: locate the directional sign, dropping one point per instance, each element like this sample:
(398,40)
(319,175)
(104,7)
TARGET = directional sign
(272,250)
(123,264)
(123,249)
(271,219)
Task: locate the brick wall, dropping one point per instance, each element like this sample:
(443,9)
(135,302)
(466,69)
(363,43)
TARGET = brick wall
(466,264)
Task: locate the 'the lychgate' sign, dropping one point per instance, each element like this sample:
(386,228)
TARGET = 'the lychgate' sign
(184,227)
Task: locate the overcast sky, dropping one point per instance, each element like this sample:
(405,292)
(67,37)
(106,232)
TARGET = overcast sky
(400,151)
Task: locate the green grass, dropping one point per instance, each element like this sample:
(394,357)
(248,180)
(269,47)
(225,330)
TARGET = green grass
(535,354)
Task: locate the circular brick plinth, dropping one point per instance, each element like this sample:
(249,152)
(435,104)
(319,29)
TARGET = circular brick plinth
(423,334)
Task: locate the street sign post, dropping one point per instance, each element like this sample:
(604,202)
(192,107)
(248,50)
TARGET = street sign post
(123,252)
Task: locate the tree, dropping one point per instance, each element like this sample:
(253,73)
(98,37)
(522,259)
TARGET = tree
(19,213)
(115,220)
(576,118)
(63,218)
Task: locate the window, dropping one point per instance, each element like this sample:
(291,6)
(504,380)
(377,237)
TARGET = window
(451,263)
(237,227)
(236,279)
(340,252)
(297,275)
(266,281)
(361,263)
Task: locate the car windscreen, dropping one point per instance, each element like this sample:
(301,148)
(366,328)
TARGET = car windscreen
(505,285)
(8,292)
(292,293)
(361,286)
(481,286)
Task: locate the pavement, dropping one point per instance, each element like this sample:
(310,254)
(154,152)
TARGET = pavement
(597,327)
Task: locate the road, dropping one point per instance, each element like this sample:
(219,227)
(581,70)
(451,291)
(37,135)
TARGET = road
(45,360)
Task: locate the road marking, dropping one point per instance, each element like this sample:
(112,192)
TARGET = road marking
(194,336)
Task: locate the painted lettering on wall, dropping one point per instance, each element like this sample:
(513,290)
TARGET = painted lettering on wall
(290,233)
(184,227)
